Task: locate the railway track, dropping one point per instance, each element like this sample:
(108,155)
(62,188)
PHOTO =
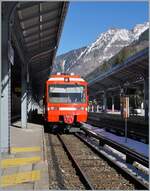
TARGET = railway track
(131,155)
(62,174)
(135,131)
(74,165)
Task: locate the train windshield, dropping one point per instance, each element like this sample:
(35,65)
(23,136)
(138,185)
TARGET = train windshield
(66,93)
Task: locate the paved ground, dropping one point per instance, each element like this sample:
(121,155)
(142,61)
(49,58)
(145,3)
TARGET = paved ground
(26,167)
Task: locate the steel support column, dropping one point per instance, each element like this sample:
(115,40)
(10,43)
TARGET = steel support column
(24,96)
(30,103)
(8,9)
(5,88)
(113,104)
(122,93)
(146,98)
(104,101)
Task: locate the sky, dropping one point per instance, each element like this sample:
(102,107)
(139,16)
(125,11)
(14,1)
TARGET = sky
(85,21)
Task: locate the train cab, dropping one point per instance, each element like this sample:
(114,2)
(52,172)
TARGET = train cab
(65,100)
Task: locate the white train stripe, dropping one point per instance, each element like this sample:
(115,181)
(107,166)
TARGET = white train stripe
(67,109)
(77,79)
(56,79)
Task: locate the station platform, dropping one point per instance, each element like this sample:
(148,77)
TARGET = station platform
(26,166)
(116,116)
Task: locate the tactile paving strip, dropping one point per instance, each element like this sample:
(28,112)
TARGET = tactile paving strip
(25,149)
(18,178)
(18,161)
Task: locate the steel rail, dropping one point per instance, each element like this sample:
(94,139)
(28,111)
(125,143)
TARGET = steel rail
(84,178)
(131,155)
(139,184)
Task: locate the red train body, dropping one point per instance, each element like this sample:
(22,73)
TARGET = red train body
(65,99)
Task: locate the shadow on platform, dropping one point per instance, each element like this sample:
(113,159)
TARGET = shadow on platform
(35,117)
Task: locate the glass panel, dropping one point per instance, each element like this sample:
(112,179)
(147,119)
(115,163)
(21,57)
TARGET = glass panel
(66,93)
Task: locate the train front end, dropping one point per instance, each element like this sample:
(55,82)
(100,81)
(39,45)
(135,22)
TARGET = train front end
(66,100)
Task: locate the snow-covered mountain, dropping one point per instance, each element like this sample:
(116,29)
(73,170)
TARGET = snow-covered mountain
(139,29)
(84,60)
(69,58)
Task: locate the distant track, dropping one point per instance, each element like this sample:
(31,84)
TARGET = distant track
(135,131)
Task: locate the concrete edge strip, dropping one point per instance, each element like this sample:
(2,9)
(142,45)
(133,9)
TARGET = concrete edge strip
(18,178)
(44,146)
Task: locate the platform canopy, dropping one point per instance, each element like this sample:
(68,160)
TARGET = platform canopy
(36,33)
(134,69)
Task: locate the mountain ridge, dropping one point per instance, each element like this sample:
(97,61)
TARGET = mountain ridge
(106,46)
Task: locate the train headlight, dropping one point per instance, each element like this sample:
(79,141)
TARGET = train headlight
(80,108)
(66,79)
(53,108)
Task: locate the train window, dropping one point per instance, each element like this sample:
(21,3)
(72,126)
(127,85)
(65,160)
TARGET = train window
(67,93)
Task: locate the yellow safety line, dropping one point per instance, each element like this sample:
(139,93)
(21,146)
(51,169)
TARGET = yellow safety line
(24,149)
(18,161)
(19,178)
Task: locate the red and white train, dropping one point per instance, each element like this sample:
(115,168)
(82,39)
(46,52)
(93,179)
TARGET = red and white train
(65,100)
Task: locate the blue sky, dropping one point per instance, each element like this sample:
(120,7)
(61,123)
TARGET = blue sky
(86,20)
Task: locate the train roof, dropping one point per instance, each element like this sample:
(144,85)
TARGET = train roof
(63,76)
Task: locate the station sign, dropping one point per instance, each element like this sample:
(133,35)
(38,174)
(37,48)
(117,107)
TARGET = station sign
(124,104)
